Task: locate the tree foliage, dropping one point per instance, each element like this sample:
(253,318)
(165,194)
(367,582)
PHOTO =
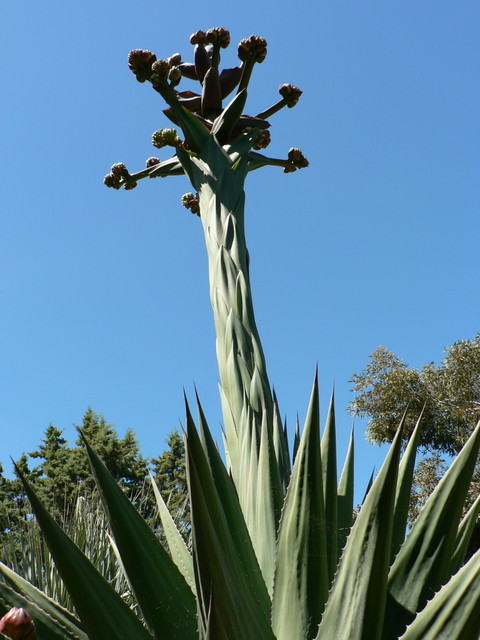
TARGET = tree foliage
(449,396)
(62,476)
(449,393)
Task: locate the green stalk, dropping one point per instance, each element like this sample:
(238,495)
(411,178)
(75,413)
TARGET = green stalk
(247,401)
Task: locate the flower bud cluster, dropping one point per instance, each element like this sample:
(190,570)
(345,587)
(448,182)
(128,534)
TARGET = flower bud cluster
(254,48)
(199,37)
(18,625)
(290,94)
(161,68)
(262,140)
(117,176)
(140,64)
(296,160)
(218,36)
(206,106)
(190,201)
(166,138)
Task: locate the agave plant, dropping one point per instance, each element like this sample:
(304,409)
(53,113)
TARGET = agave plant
(274,552)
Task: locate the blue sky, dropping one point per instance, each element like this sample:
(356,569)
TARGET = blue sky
(104,294)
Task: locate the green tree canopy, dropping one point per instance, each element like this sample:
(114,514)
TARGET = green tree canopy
(63,473)
(448,392)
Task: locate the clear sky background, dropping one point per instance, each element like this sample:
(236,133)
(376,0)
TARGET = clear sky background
(104,294)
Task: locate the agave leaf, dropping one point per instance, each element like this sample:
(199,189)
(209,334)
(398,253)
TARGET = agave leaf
(176,544)
(223,588)
(301,572)
(165,599)
(238,529)
(346,497)
(215,628)
(268,502)
(454,612)
(463,536)
(280,443)
(404,488)
(355,608)
(92,595)
(329,469)
(52,621)
(422,564)
(369,485)
(296,440)
(226,121)
(194,131)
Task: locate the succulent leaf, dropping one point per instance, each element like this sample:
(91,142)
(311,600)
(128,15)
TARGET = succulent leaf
(90,592)
(301,571)
(422,564)
(149,569)
(355,607)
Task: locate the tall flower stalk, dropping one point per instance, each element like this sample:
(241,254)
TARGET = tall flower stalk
(219,148)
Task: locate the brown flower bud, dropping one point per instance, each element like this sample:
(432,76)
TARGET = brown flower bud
(253,47)
(109,181)
(119,171)
(262,140)
(218,36)
(140,63)
(18,625)
(198,37)
(118,174)
(290,93)
(190,201)
(174,76)
(174,60)
(151,162)
(296,157)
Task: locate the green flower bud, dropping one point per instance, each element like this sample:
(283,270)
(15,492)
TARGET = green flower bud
(166,138)
(140,63)
(290,94)
(161,68)
(218,36)
(18,625)
(190,201)
(254,48)
(198,37)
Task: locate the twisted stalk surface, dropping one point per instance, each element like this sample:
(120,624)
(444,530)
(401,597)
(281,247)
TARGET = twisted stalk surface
(250,421)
